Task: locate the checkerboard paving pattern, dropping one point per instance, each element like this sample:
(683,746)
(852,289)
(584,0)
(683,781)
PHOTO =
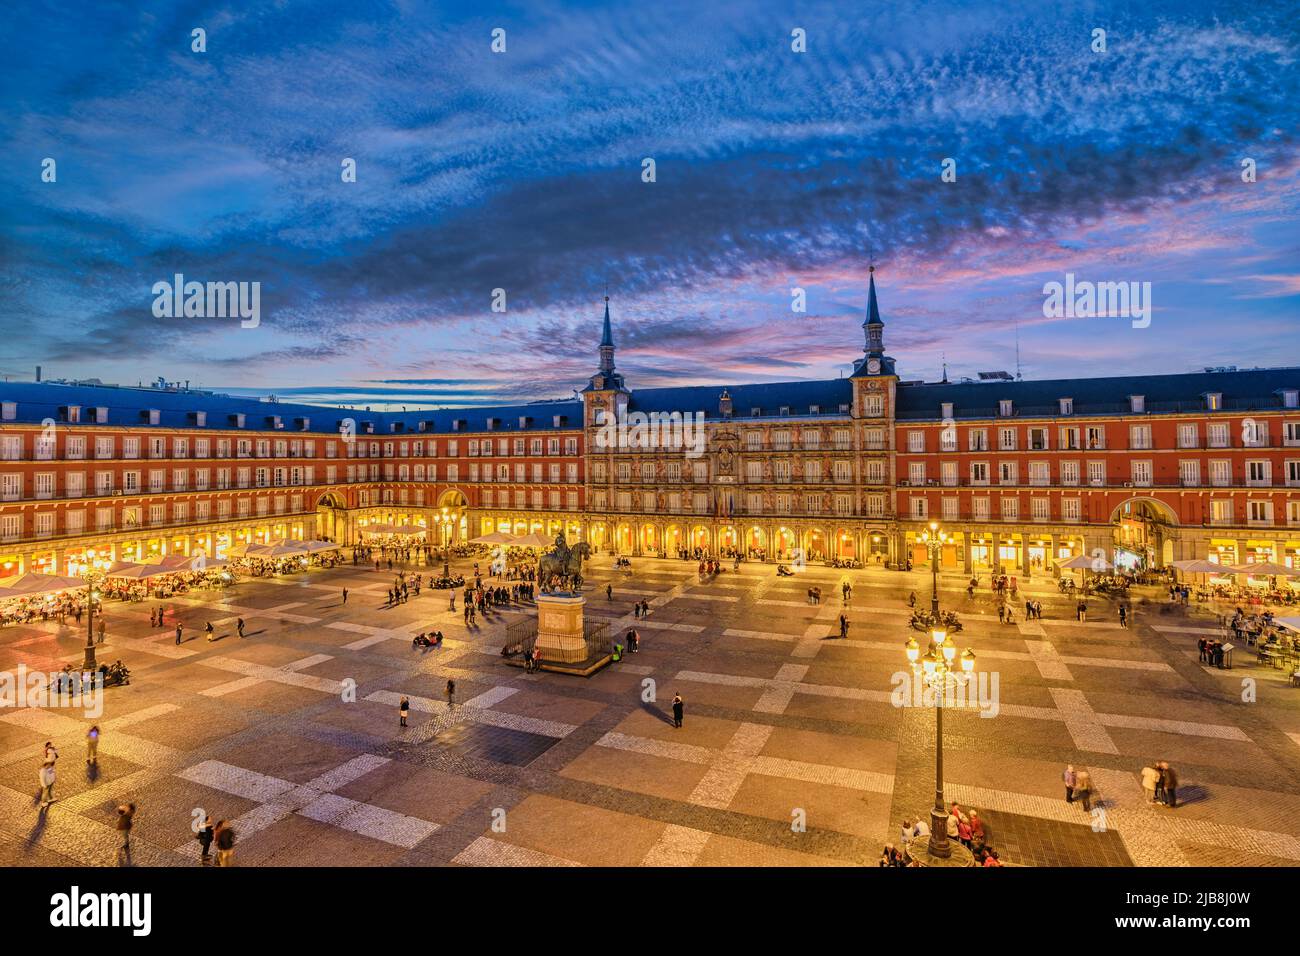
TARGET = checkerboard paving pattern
(292,733)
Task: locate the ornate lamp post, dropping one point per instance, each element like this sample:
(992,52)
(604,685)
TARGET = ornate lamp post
(934,538)
(938,669)
(93,573)
(444,530)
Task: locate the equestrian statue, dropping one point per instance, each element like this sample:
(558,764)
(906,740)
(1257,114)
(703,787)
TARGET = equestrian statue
(560,569)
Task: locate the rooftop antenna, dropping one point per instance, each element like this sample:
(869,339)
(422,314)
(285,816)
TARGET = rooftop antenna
(945,369)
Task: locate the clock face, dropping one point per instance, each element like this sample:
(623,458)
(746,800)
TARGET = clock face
(873,366)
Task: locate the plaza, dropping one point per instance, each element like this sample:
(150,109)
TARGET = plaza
(792,751)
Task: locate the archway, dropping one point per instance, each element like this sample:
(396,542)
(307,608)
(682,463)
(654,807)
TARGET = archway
(784,544)
(845,545)
(331,517)
(700,537)
(727,540)
(649,539)
(756,543)
(672,539)
(1140,532)
(451,521)
(814,547)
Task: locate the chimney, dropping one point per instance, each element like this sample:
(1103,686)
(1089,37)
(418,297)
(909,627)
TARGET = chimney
(38,373)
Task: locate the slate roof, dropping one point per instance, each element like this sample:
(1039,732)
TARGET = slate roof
(768,398)
(128,405)
(1251,390)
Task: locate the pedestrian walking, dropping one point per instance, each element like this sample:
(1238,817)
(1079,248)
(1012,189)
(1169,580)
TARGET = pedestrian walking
(225,840)
(1083,789)
(609,592)
(92,745)
(451,693)
(403,709)
(1081,612)
(179,628)
(1170,779)
(100,630)
(161,622)
(46,777)
(1150,778)
(125,820)
(1069,778)
(345,596)
(678,708)
(239,627)
(207,629)
(844,627)
(205,836)
(50,754)
(1123,616)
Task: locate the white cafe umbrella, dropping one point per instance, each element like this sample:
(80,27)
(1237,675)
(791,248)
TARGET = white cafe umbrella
(533,540)
(1199,566)
(495,537)
(1264,569)
(1083,562)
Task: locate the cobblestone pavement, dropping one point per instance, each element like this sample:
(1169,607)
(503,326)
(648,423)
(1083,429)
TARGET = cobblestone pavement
(792,753)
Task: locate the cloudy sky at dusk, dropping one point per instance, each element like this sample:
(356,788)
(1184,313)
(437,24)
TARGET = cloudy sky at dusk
(522,171)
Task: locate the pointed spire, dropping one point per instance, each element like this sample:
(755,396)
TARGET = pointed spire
(607,335)
(873,310)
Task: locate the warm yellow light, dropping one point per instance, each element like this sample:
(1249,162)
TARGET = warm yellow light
(913,650)
(937,635)
(934,526)
(929,664)
(949,650)
(968,660)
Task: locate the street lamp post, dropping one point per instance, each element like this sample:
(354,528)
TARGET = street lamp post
(444,529)
(937,668)
(934,539)
(93,574)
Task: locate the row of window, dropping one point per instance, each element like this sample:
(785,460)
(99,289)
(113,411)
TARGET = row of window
(1221,511)
(158,480)
(875,506)
(1251,433)
(131,517)
(1137,404)
(76,447)
(1255,473)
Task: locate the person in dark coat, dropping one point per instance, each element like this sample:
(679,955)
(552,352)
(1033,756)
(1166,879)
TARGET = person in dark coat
(205,840)
(1170,779)
(677,710)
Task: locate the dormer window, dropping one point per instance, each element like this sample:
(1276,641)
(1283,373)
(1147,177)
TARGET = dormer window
(1214,401)
(72,413)
(1290,398)
(304,424)
(237,419)
(8,411)
(149,416)
(1004,407)
(755,413)
(945,409)
(199,418)
(100,413)
(1067,406)
(492,424)
(1137,404)
(525,421)
(785,409)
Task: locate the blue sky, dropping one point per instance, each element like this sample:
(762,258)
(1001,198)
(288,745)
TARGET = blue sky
(522,171)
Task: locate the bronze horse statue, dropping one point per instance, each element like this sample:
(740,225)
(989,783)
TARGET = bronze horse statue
(563,563)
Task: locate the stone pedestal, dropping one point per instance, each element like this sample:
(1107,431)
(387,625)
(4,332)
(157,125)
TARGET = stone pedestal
(559,628)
